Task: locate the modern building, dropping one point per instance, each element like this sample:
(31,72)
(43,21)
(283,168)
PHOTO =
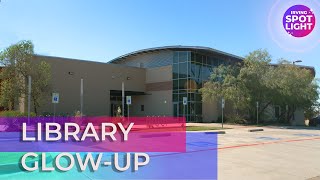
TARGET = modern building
(157,79)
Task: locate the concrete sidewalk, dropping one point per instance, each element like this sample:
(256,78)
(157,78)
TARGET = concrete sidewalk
(275,153)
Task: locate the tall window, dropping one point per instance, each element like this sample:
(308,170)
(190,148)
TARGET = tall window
(190,71)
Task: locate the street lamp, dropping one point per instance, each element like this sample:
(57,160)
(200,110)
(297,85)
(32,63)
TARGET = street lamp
(296,61)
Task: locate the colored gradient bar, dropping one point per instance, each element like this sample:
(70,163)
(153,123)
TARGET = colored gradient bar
(148,134)
(198,162)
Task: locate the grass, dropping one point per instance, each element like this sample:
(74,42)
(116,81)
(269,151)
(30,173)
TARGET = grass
(203,128)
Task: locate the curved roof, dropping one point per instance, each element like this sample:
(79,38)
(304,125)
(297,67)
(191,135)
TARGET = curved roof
(187,48)
(174,48)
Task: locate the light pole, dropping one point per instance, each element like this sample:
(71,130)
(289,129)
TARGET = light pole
(122,89)
(81,97)
(222,107)
(257,112)
(294,63)
(29,97)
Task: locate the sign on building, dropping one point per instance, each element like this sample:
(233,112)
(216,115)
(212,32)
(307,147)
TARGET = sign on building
(222,103)
(55,98)
(185,100)
(129,100)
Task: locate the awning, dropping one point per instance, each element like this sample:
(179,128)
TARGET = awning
(126,93)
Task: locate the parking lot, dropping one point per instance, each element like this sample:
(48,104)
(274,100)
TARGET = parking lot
(275,153)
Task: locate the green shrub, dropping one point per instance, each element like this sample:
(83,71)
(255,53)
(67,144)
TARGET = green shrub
(15,114)
(219,120)
(47,114)
(236,119)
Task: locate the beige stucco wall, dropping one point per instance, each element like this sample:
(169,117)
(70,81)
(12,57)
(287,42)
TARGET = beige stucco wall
(161,74)
(156,103)
(299,118)
(210,111)
(98,82)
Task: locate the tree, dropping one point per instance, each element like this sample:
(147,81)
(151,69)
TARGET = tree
(223,83)
(294,88)
(254,75)
(18,64)
(256,80)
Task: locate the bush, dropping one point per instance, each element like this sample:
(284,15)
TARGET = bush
(47,114)
(15,114)
(219,120)
(314,121)
(236,119)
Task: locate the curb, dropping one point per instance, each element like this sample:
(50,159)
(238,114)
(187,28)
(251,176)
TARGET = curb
(255,130)
(216,132)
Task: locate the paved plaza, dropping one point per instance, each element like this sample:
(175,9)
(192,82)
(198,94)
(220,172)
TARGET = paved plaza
(274,153)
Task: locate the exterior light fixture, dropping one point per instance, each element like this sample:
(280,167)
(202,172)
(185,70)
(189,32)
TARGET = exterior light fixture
(297,61)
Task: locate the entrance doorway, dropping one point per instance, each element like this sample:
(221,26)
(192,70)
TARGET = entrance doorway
(116,102)
(175,109)
(116,106)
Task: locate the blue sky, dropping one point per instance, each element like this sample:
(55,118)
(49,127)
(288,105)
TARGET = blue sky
(102,30)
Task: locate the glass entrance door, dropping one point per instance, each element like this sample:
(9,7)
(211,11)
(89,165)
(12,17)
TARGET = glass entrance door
(175,109)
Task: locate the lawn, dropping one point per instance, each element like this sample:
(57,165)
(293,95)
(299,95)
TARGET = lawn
(203,128)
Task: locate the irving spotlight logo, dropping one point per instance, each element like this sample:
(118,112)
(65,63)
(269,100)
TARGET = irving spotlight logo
(299,21)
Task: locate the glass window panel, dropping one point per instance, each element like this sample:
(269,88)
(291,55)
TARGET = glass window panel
(191,108)
(189,69)
(175,71)
(183,70)
(205,72)
(182,83)
(175,97)
(216,62)
(175,110)
(192,70)
(198,97)
(199,58)
(198,81)
(181,108)
(182,91)
(193,56)
(200,84)
(175,84)
(175,57)
(183,56)
(192,84)
(210,60)
(211,70)
(191,97)
(204,60)
(223,61)
(189,56)
(191,119)
(198,108)
(197,73)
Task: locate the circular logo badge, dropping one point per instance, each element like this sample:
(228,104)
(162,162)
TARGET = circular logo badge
(299,20)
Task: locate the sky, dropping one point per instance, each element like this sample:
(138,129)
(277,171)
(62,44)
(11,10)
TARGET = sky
(100,30)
